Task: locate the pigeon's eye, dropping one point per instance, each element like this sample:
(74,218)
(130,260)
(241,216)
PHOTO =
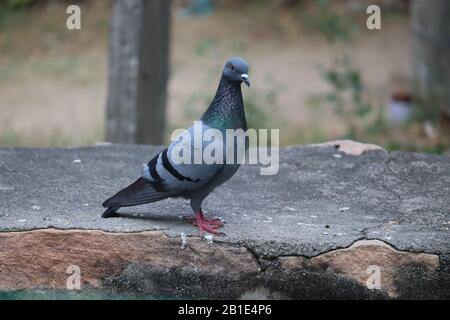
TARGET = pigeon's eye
(232,67)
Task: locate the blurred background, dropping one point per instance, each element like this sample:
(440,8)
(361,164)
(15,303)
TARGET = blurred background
(318,73)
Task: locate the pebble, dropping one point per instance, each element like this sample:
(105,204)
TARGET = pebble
(183,240)
(77,161)
(209,238)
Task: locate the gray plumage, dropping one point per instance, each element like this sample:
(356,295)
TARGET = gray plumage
(162,177)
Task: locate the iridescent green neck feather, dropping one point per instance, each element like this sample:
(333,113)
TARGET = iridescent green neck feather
(226,111)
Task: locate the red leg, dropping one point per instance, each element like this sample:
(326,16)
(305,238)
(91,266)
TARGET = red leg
(208,225)
(214,222)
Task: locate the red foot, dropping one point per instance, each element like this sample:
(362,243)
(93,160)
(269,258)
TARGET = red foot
(208,225)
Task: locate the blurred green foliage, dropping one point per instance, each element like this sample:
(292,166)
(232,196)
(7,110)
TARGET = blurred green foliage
(350,98)
(10,11)
(330,24)
(348,95)
(15,4)
(9,138)
(256,110)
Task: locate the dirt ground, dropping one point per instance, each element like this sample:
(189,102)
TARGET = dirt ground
(53,81)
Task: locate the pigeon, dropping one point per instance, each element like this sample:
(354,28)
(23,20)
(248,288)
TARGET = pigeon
(165,178)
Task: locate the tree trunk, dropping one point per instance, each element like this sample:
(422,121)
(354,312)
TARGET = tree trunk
(431,29)
(138,71)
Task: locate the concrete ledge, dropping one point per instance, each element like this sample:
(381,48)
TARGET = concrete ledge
(315,230)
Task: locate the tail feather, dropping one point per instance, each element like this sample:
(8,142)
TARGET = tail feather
(139,192)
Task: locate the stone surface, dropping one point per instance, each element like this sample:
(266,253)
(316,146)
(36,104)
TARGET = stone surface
(324,199)
(349,147)
(364,258)
(41,258)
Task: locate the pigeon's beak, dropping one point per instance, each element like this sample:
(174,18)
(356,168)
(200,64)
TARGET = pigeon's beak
(245,79)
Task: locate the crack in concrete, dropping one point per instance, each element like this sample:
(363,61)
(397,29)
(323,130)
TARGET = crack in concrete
(251,249)
(335,261)
(389,169)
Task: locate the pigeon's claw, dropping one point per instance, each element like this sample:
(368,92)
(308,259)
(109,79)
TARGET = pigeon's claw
(213,223)
(207,225)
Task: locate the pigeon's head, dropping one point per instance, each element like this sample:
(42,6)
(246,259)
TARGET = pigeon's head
(236,70)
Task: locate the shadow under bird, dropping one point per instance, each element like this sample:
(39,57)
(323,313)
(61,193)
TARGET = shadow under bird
(163,177)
